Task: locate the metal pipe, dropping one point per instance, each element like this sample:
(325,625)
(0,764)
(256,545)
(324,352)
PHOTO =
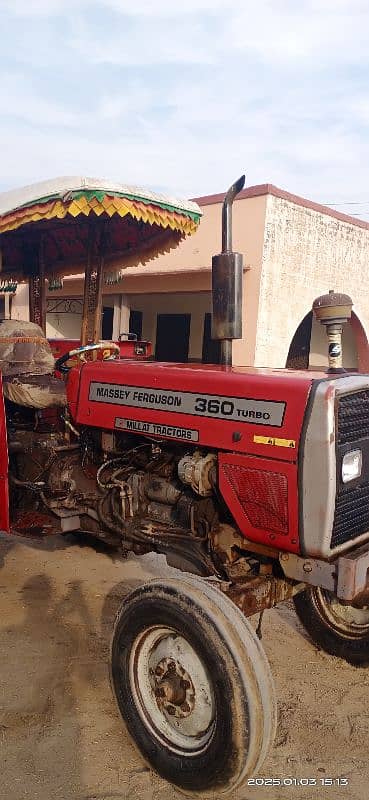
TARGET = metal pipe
(227,273)
(226,352)
(233,190)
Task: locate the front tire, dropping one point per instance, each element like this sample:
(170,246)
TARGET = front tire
(193,685)
(339,629)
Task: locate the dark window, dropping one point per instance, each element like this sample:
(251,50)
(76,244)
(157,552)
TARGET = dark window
(172,337)
(135,323)
(107,323)
(210,347)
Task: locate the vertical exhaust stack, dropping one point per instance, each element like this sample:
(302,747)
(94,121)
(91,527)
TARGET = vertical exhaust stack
(333,310)
(227,274)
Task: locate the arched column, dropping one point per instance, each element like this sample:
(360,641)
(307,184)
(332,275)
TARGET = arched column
(361,343)
(308,347)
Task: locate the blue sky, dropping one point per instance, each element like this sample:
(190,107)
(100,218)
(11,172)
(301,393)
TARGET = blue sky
(185,97)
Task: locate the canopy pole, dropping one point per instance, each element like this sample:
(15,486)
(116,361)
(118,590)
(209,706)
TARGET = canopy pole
(99,284)
(94,281)
(87,287)
(37,289)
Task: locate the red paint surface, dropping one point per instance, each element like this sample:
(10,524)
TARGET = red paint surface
(277,385)
(285,386)
(268,468)
(59,347)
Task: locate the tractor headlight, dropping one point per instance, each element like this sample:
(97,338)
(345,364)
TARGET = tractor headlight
(351,465)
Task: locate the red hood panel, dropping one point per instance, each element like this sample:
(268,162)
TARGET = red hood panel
(241,409)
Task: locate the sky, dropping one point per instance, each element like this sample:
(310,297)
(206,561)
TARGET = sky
(186,96)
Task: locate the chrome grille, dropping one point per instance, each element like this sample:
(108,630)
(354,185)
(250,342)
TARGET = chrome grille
(353,417)
(351,517)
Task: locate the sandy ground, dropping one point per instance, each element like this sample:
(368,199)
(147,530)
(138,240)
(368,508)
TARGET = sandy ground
(60,733)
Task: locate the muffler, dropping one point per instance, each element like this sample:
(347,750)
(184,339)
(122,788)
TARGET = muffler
(227,275)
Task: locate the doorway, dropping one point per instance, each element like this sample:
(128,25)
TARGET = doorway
(107,323)
(172,337)
(135,322)
(299,352)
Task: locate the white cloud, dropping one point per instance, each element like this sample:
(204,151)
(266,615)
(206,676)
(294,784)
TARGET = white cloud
(190,95)
(138,8)
(37,8)
(316,31)
(150,42)
(19,101)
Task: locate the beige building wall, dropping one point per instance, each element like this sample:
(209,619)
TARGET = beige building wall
(63,326)
(305,254)
(189,267)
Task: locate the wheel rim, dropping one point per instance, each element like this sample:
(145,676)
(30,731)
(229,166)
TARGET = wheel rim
(172,690)
(348,620)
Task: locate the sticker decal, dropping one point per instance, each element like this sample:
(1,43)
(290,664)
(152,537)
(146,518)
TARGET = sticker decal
(153,428)
(274,441)
(239,409)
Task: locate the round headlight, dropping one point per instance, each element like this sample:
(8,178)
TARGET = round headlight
(351,465)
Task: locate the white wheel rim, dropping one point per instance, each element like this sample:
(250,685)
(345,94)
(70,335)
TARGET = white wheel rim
(350,620)
(172,690)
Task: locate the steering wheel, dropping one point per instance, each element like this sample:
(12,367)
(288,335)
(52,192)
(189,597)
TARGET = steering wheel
(108,351)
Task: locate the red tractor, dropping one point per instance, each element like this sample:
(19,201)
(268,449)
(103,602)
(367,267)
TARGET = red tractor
(253,482)
(129,347)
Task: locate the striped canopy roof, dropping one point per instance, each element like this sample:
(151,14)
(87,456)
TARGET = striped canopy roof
(136,224)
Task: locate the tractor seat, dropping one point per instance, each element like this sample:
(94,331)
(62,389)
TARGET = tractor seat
(27,366)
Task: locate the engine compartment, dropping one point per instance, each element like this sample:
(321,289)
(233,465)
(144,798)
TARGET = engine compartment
(126,490)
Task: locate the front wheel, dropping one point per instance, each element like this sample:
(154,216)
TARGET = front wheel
(339,629)
(193,685)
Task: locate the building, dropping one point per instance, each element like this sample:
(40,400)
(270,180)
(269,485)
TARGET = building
(293,251)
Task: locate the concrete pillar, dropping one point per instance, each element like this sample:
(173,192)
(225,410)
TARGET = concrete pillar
(116,317)
(124,313)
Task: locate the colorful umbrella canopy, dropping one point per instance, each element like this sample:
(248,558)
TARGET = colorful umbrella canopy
(70,225)
(133,224)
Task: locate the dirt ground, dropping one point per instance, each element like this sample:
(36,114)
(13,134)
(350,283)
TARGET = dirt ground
(60,733)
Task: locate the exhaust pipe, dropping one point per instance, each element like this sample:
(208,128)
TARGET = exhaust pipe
(227,274)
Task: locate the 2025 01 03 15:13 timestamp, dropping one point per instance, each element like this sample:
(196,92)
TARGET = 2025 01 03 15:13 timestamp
(319,782)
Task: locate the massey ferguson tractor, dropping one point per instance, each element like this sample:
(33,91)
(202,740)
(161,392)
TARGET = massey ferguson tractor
(253,482)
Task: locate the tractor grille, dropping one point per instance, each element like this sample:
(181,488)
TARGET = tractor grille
(353,417)
(351,518)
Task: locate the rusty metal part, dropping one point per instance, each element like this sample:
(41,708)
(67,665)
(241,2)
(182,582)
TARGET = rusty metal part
(311,570)
(345,576)
(173,688)
(260,592)
(227,542)
(224,540)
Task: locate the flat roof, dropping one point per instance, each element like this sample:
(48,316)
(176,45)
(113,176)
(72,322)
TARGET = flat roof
(269,188)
